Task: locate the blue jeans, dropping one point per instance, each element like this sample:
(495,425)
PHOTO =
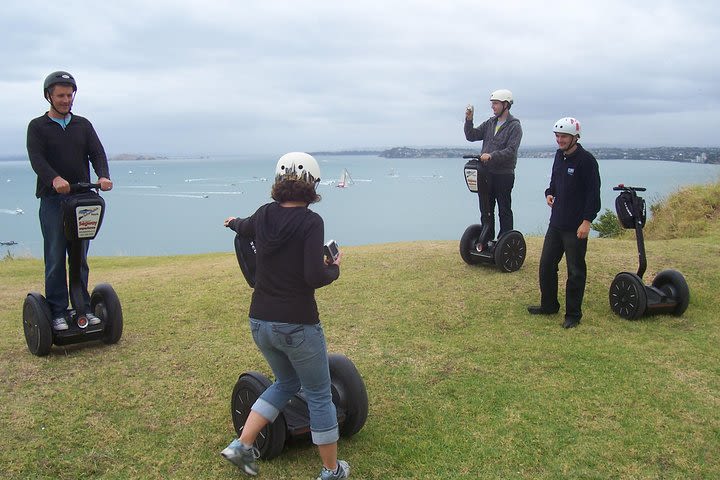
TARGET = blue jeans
(557,243)
(56,246)
(297,355)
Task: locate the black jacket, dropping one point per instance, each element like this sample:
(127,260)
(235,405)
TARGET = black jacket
(65,152)
(575,184)
(289,263)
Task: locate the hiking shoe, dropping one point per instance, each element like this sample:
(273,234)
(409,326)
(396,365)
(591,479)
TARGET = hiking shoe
(539,310)
(571,322)
(92,319)
(343,471)
(59,324)
(243,457)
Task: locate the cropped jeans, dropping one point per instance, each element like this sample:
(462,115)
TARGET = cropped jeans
(56,247)
(297,355)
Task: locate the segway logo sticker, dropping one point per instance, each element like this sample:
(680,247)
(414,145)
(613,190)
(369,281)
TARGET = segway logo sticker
(471,179)
(88,221)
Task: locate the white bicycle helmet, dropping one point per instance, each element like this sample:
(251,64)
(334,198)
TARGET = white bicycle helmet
(502,96)
(567,125)
(298,166)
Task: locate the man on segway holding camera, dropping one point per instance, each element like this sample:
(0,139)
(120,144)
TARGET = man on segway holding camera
(501,135)
(61,146)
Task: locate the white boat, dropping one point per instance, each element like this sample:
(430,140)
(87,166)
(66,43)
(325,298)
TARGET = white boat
(345,179)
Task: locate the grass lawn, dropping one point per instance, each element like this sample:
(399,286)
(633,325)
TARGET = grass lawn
(462,382)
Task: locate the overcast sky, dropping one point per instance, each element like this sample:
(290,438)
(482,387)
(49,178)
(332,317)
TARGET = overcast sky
(265,76)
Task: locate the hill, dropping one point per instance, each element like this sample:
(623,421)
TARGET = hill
(462,382)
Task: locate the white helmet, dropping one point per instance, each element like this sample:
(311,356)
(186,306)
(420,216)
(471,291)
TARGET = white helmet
(502,96)
(298,166)
(567,125)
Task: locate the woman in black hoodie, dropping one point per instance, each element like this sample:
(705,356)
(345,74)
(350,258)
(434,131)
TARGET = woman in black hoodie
(284,319)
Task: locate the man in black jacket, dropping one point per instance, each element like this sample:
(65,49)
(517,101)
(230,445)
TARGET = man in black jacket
(60,145)
(574,199)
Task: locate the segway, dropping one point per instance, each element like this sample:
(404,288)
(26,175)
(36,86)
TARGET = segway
(629,297)
(507,252)
(348,389)
(83,213)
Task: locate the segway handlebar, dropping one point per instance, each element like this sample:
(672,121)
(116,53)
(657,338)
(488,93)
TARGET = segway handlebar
(476,157)
(624,188)
(83,187)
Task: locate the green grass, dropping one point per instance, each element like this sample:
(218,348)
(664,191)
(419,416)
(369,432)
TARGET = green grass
(462,382)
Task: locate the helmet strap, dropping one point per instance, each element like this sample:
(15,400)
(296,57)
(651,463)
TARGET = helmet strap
(48,97)
(505,108)
(572,145)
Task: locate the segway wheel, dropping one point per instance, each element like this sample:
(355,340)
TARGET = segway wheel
(105,305)
(628,298)
(37,324)
(510,251)
(468,242)
(349,393)
(674,285)
(249,386)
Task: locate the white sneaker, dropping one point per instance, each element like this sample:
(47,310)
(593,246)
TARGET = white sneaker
(59,324)
(92,319)
(343,471)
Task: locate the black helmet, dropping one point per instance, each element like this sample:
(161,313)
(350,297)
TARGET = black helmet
(56,78)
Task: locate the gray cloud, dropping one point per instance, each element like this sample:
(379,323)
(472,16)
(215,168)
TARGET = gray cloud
(269,76)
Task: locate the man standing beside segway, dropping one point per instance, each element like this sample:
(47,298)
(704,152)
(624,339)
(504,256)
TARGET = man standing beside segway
(61,146)
(501,135)
(574,199)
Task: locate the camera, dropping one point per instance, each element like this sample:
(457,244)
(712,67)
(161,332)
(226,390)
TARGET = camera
(331,250)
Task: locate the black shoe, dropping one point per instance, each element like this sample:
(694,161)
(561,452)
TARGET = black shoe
(539,310)
(571,322)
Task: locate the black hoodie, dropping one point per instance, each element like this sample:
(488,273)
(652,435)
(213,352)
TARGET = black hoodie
(290,262)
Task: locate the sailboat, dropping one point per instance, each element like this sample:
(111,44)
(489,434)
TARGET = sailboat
(345,179)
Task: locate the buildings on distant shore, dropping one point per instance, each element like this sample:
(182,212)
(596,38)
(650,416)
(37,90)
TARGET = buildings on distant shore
(673,154)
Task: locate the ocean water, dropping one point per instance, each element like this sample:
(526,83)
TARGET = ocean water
(177,206)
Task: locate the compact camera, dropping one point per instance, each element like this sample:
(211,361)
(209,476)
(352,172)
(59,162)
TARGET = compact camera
(332,251)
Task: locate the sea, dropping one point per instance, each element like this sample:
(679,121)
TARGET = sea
(176,206)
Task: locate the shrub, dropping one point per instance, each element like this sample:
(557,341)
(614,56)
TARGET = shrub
(607,224)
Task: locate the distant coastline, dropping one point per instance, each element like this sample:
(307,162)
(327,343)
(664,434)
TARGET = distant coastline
(673,154)
(710,155)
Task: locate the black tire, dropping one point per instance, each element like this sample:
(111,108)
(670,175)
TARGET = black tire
(627,296)
(468,242)
(674,285)
(105,305)
(510,251)
(271,440)
(349,393)
(37,324)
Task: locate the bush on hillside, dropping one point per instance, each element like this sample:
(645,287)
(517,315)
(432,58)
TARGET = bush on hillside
(607,224)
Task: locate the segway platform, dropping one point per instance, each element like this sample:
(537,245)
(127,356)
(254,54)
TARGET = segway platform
(348,395)
(83,213)
(629,297)
(476,247)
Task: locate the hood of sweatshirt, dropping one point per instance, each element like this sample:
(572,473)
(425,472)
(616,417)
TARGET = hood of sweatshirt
(276,225)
